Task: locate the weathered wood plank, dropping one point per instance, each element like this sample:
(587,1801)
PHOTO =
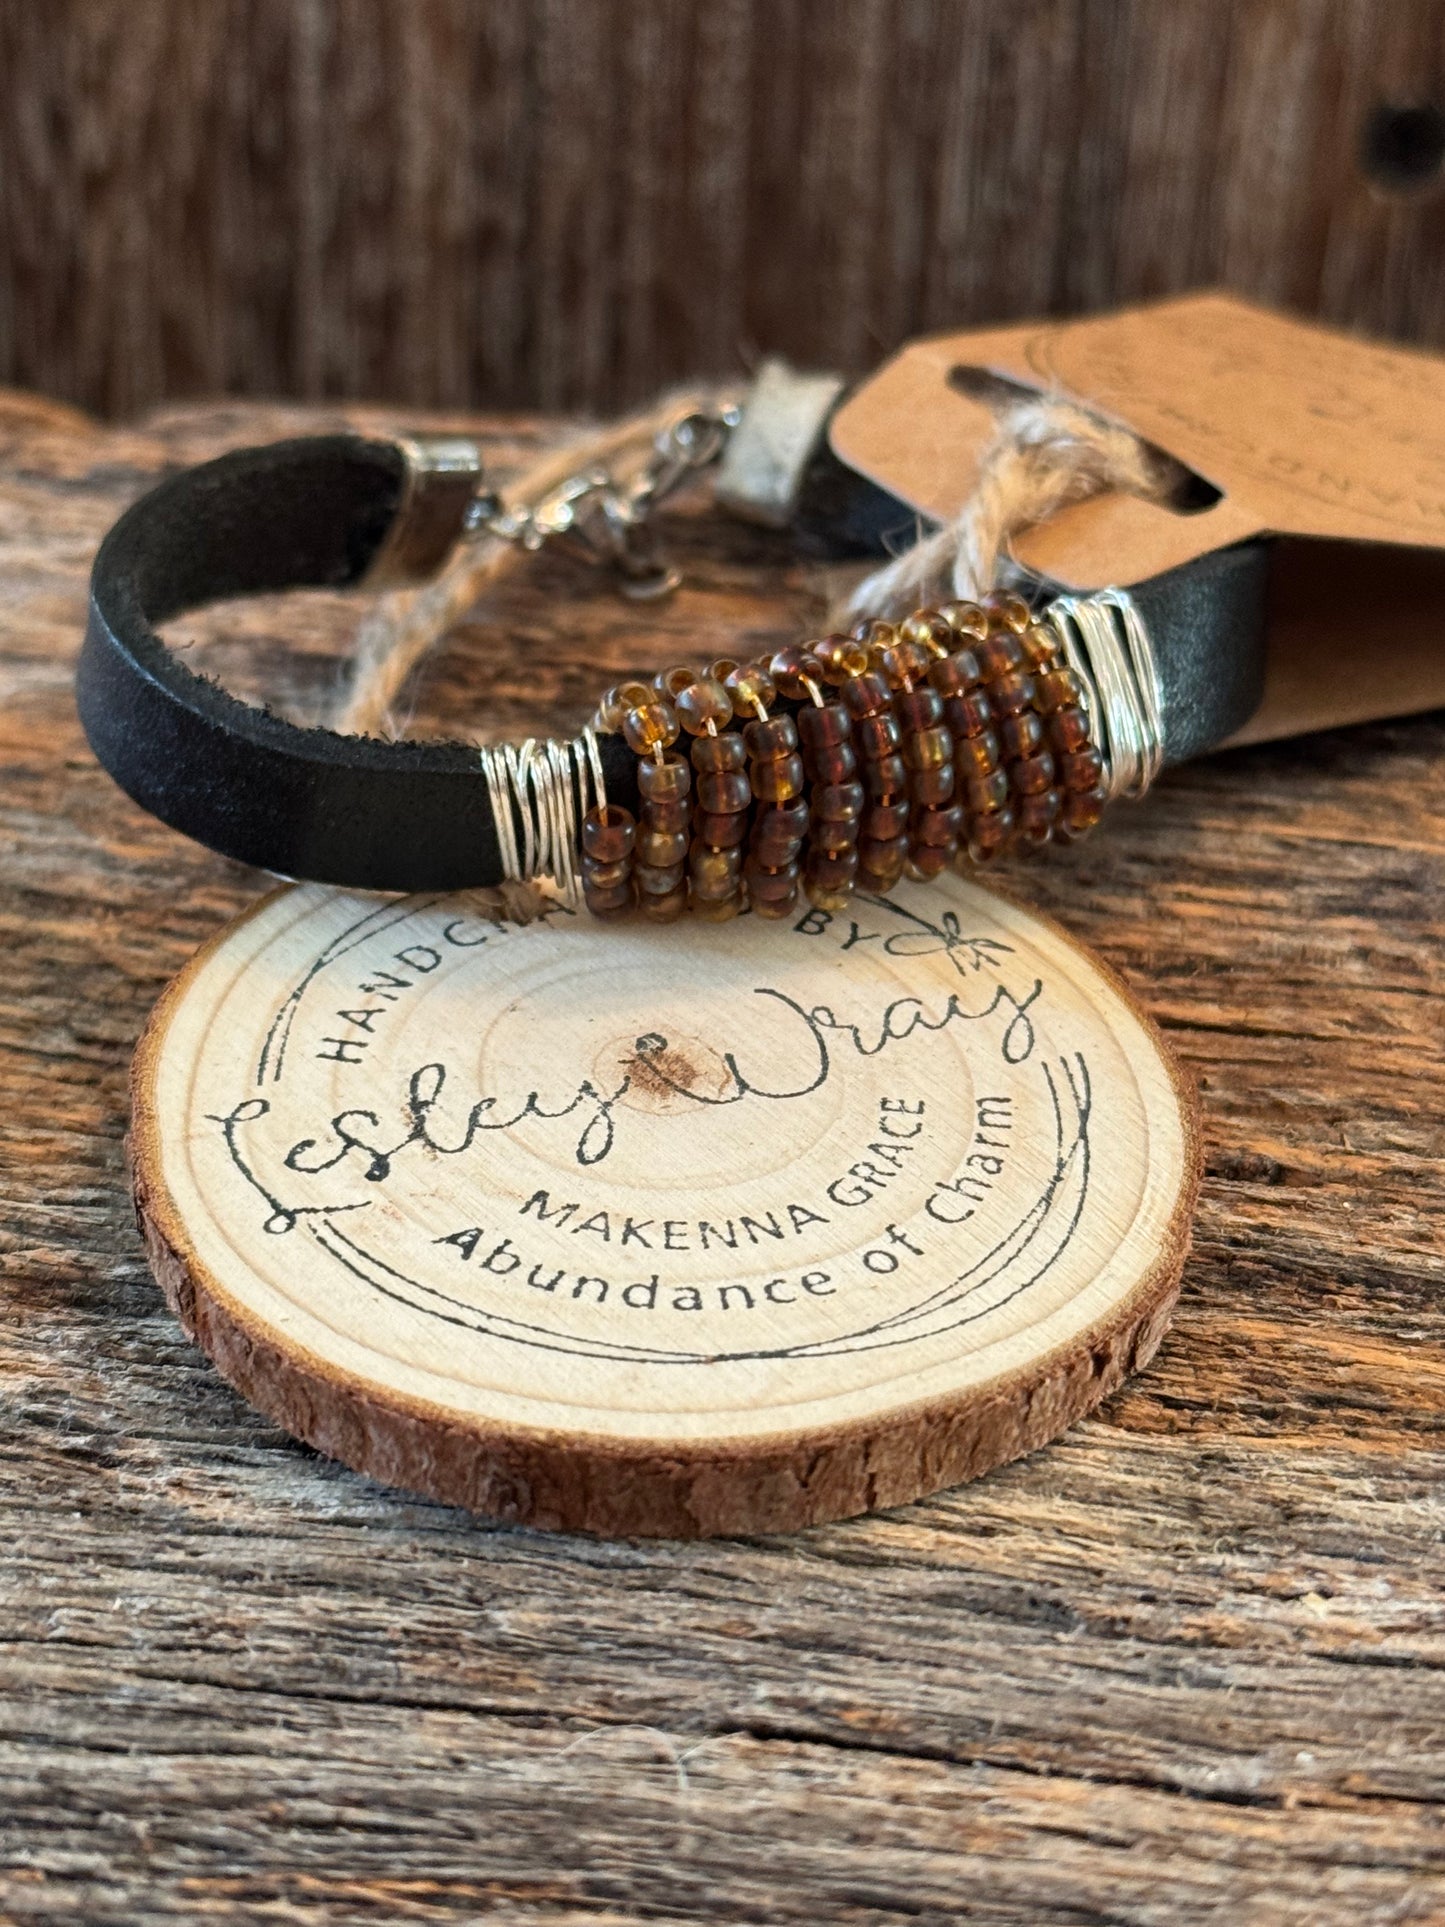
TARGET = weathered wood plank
(1185,1666)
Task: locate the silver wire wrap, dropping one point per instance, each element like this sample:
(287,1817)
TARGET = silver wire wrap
(547,787)
(1107,646)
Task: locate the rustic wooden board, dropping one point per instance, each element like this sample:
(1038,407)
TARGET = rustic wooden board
(1183,1666)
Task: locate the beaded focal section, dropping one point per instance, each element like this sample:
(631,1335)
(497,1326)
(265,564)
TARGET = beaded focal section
(948,739)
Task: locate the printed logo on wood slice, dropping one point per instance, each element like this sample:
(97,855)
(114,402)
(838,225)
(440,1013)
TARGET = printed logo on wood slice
(674,1230)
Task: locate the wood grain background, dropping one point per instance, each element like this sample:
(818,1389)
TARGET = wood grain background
(563,203)
(1186,1668)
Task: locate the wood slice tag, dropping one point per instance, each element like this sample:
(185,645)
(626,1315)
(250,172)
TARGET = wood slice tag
(677,1230)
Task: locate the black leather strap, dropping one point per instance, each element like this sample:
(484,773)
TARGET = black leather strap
(302,802)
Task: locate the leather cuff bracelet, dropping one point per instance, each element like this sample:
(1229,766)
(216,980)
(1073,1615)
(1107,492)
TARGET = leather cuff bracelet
(965,731)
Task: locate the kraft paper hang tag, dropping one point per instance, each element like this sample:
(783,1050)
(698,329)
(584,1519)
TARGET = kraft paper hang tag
(1334,445)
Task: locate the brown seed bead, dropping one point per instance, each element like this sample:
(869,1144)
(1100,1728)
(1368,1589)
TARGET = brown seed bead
(650,726)
(926,629)
(775,737)
(877,735)
(1011,693)
(1008,612)
(928,748)
(833,833)
(874,633)
(609,901)
(1081,769)
(929,860)
(967,620)
(605,876)
(1069,729)
(1083,808)
(1021,735)
(953,675)
(717,910)
(841,658)
(885,776)
(994,830)
(666,907)
(748,686)
(932,786)
(936,826)
(620,698)
(969,714)
(866,695)
(667,683)
(1058,689)
(608,832)
(775,908)
(918,708)
(764,880)
(883,856)
(775,852)
(720,670)
(703,707)
(792,669)
(999,654)
(778,779)
(838,763)
(720,829)
(783,820)
(660,849)
(665,782)
(1041,647)
(902,665)
(840,802)
(831,869)
(986,792)
(714,873)
(724,790)
(712,754)
(1031,775)
(883,821)
(822,725)
(1038,815)
(656,882)
(668,816)
(977,755)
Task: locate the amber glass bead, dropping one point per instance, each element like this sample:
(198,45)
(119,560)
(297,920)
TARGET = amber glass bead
(1008,612)
(667,816)
(1057,689)
(608,832)
(775,852)
(932,787)
(724,790)
(1011,693)
(877,735)
(885,775)
(1021,735)
(711,754)
(650,726)
(1069,728)
(883,821)
(619,699)
(747,687)
(775,908)
(833,833)
(928,748)
(902,665)
(655,879)
(660,849)
(605,876)
(1083,808)
(831,868)
(778,778)
(1031,775)
(986,792)
(1040,646)
(936,826)
(720,670)
(1038,814)
(783,819)
(792,669)
(703,707)
(882,856)
(838,763)
(929,860)
(715,873)
(840,658)
(1081,769)
(668,682)
(665,906)
(926,629)
(969,714)
(977,755)
(967,620)
(607,900)
(770,880)
(874,633)
(775,737)
(840,802)
(720,829)
(1001,652)
(866,695)
(952,675)
(665,782)
(920,708)
(717,909)
(821,725)
(993,830)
